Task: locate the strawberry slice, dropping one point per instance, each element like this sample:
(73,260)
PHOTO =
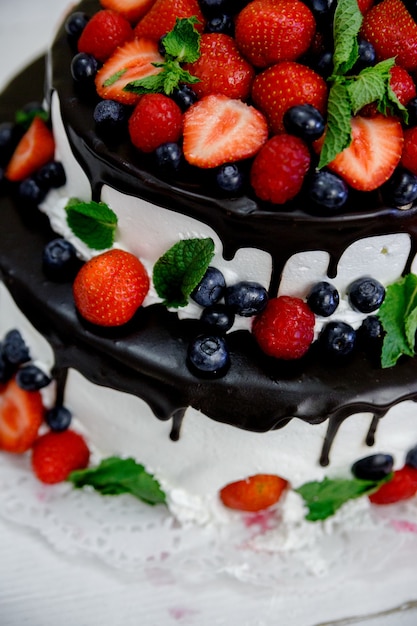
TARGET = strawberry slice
(132,61)
(218,130)
(132,10)
(254,493)
(161,18)
(21,414)
(34,150)
(373,154)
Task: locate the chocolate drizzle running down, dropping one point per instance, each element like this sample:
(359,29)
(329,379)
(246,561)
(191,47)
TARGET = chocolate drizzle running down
(147,357)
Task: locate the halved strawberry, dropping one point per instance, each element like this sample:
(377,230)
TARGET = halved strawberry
(132,10)
(160,19)
(373,154)
(34,150)
(218,130)
(21,414)
(132,61)
(254,493)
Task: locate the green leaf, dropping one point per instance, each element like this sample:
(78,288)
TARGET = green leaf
(370,85)
(183,41)
(324,498)
(347,23)
(339,131)
(398,315)
(25,118)
(92,222)
(168,79)
(114,78)
(177,272)
(115,476)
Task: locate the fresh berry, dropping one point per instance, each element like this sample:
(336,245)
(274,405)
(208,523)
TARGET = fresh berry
(246,298)
(35,149)
(389,27)
(169,157)
(221,24)
(32,378)
(328,192)
(323,299)
(110,118)
(409,153)
(220,68)
(402,486)
(367,56)
(218,317)
(184,96)
(9,138)
(230,178)
(285,329)
(274,30)
(373,154)
(56,454)
(59,260)
(285,85)
(30,193)
(132,61)
(75,24)
(254,493)
(14,349)
(211,8)
(279,168)
(21,415)
(208,355)
(219,130)
(338,339)
(373,467)
(84,69)
(412,112)
(110,288)
(305,121)
(51,176)
(365,294)
(365,5)
(401,188)
(411,457)
(156,120)
(104,33)
(402,84)
(160,19)
(132,10)
(371,334)
(211,287)
(58,418)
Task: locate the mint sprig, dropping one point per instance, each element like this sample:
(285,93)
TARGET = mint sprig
(116,476)
(346,27)
(177,272)
(92,222)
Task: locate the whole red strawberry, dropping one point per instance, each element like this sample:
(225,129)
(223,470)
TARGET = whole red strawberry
(156,119)
(104,32)
(160,19)
(285,85)
(403,486)
(110,288)
(21,415)
(389,27)
(285,329)
(409,153)
(55,455)
(402,84)
(221,68)
(279,168)
(254,493)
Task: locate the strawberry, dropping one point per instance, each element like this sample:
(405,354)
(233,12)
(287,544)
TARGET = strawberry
(365,5)
(284,85)
(55,455)
(35,149)
(389,27)
(373,154)
(218,130)
(254,493)
(409,153)
(110,288)
(279,168)
(269,31)
(221,68)
(104,32)
(161,18)
(156,119)
(285,329)
(21,414)
(132,10)
(402,486)
(132,61)
(402,84)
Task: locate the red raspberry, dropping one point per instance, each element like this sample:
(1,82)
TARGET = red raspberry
(104,32)
(403,486)
(285,329)
(156,120)
(56,454)
(279,168)
(409,153)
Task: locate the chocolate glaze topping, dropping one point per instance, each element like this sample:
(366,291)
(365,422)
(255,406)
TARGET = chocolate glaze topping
(147,357)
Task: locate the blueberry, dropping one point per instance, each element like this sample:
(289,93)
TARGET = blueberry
(9,138)
(211,287)
(367,56)
(6,369)
(328,190)
(305,121)
(51,176)
(59,260)
(401,188)
(246,298)
(323,299)
(373,467)
(75,24)
(324,64)
(412,112)
(30,192)
(208,355)
(58,419)
(338,339)
(111,118)
(229,178)
(169,157)
(215,7)
(222,23)
(371,333)
(84,68)
(411,457)
(218,316)
(31,378)
(184,96)
(14,349)
(366,294)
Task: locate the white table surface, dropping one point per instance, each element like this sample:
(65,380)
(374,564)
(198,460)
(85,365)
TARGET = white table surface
(42,587)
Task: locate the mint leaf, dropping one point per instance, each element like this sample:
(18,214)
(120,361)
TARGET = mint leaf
(324,498)
(398,315)
(92,222)
(183,41)
(347,23)
(370,85)
(168,79)
(180,269)
(339,131)
(115,476)
(25,118)
(114,78)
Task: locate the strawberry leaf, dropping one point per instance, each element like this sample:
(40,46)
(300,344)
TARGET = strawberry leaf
(347,23)
(92,222)
(177,272)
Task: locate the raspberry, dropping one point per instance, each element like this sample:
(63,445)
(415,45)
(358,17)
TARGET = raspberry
(403,486)
(56,454)
(156,120)
(285,329)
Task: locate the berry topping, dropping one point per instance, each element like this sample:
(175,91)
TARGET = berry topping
(401,188)
(51,176)
(371,333)
(246,298)
(110,288)
(230,178)
(58,419)
(30,193)
(21,415)
(132,10)
(411,458)
(169,157)
(156,120)
(32,378)
(103,34)
(35,149)
(111,119)
(285,329)
(305,121)
(56,454)
(184,96)
(338,339)
(221,24)
(402,486)
(160,19)
(219,130)
(366,294)
(323,299)
(328,191)
(373,467)
(409,154)
(84,69)
(254,493)
(208,355)
(211,287)
(14,349)
(75,24)
(59,260)
(219,317)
